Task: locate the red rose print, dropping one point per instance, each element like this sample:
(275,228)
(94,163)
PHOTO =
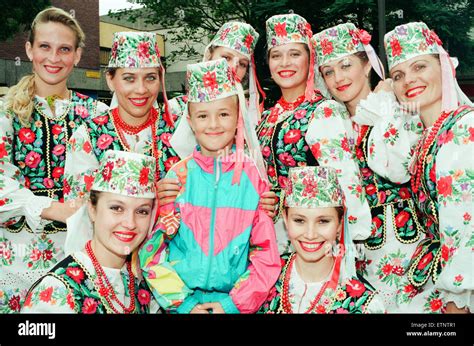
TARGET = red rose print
(47,255)
(345,145)
(224,33)
(3,150)
(401,219)
(56,129)
(32,159)
(70,301)
(280,29)
(66,187)
(59,149)
(387,269)
(364,36)
(14,303)
(292,136)
(445,253)
(48,183)
(359,154)
(143,180)
(75,273)
(143,297)
(26,136)
(366,172)
(282,182)
(82,111)
(300,114)
(376,222)
(436,304)
(165,137)
(471,134)
(326,46)
(445,186)
(425,261)
(57,172)
(45,296)
(144,50)
(271,171)
(209,80)
(316,150)
(370,189)
(396,48)
(87,147)
(88,180)
(266,151)
(104,141)
(90,306)
(286,159)
(107,172)
(171,162)
(248,41)
(404,193)
(355,288)
(327,112)
(101,120)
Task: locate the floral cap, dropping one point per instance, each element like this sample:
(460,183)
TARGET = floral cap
(414,39)
(339,41)
(126,173)
(134,50)
(287,28)
(313,187)
(409,40)
(238,36)
(210,80)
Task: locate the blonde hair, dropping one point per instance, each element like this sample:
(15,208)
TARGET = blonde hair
(19,98)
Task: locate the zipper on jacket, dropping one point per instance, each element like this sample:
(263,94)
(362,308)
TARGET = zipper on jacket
(213,220)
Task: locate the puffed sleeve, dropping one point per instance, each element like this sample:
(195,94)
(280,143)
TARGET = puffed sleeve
(16,200)
(81,164)
(455,188)
(393,136)
(51,295)
(331,139)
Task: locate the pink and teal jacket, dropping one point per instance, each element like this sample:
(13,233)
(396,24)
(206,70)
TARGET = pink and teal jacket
(213,244)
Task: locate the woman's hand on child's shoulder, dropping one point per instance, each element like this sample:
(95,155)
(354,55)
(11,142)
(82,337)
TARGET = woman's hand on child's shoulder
(268,201)
(166,190)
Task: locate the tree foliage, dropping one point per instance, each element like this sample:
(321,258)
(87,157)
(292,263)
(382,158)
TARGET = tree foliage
(16,16)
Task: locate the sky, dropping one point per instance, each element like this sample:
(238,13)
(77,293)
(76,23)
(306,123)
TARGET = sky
(106,5)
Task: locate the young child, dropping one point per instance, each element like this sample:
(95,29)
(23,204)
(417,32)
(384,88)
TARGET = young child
(319,277)
(221,252)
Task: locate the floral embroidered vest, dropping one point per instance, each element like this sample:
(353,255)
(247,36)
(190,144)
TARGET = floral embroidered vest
(428,259)
(40,151)
(85,295)
(283,142)
(380,194)
(353,296)
(103,135)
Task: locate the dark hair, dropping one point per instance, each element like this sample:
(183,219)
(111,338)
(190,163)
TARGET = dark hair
(111,71)
(340,212)
(94,197)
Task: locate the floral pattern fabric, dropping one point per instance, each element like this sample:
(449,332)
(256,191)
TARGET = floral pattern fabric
(134,50)
(395,228)
(287,28)
(32,163)
(352,295)
(90,141)
(238,36)
(72,287)
(312,134)
(445,199)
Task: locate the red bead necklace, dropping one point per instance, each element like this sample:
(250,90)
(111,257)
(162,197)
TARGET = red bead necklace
(289,106)
(422,149)
(121,126)
(285,290)
(106,290)
(133,130)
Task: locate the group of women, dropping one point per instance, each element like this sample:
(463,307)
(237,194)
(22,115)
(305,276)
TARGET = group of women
(402,152)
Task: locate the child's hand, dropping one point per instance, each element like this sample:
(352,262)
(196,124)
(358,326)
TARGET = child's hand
(215,307)
(166,190)
(198,309)
(268,201)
